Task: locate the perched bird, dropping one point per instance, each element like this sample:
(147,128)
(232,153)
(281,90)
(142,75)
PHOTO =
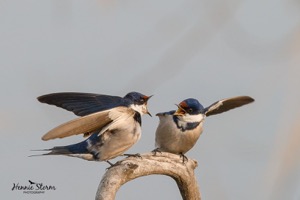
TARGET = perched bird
(178,131)
(112,123)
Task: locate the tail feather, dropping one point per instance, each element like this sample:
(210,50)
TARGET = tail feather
(60,150)
(79,148)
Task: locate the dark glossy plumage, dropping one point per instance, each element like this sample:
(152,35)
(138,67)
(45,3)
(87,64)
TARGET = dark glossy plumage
(83,104)
(81,147)
(166,113)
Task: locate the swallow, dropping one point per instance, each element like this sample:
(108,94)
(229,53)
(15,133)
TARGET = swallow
(31,182)
(111,123)
(178,131)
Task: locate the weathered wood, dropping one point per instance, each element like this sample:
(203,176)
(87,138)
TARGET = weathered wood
(163,163)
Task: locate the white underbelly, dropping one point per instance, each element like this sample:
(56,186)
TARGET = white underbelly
(171,139)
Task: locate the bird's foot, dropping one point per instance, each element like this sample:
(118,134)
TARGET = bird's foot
(184,158)
(136,155)
(155,151)
(112,165)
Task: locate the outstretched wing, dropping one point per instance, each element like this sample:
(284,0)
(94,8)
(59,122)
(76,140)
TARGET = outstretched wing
(82,104)
(80,125)
(227,104)
(99,121)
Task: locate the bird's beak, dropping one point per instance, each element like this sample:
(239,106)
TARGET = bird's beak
(180,111)
(146,100)
(147,97)
(149,113)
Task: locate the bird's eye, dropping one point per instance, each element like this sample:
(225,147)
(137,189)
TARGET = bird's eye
(190,110)
(142,100)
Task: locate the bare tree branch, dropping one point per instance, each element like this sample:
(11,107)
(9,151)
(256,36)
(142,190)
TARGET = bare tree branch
(163,163)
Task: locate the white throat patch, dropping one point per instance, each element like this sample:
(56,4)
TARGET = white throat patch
(142,109)
(191,118)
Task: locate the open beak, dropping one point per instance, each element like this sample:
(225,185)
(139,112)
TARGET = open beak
(180,111)
(149,113)
(146,100)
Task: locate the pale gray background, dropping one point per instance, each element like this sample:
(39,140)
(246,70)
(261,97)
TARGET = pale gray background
(173,49)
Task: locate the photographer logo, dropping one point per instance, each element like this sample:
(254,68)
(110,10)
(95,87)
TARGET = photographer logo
(33,187)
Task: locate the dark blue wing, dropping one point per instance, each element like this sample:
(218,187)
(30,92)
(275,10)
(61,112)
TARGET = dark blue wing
(82,104)
(166,113)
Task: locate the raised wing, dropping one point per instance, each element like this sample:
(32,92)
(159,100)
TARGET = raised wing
(99,121)
(82,104)
(227,104)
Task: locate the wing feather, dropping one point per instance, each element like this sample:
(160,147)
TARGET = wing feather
(117,115)
(96,121)
(80,125)
(82,104)
(227,104)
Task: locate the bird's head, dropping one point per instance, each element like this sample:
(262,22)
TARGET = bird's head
(138,102)
(189,106)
